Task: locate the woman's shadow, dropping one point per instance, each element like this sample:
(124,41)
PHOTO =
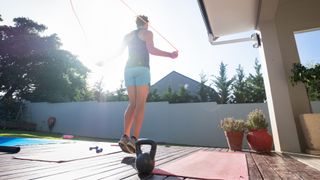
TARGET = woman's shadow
(129,160)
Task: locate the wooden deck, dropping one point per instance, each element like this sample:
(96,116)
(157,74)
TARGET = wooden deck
(118,165)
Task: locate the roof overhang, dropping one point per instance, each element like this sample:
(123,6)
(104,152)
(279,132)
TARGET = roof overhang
(225,17)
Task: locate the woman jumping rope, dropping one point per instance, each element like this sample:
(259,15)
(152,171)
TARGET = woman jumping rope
(137,79)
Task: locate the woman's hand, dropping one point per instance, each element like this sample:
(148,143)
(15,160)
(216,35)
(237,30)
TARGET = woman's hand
(174,54)
(100,63)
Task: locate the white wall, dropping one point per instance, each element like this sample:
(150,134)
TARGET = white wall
(190,123)
(315,106)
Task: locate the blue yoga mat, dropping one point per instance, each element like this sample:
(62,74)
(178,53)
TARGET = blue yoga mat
(13,141)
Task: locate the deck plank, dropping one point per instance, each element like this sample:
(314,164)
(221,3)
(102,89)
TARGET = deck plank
(253,170)
(280,166)
(24,166)
(121,165)
(85,168)
(130,173)
(299,168)
(264,168)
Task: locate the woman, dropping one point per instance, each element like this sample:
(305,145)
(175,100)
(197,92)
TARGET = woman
(137,79)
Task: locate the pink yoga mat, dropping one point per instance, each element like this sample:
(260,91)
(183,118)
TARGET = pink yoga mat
(207,165)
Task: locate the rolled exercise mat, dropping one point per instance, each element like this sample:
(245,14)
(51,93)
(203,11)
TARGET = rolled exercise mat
(10,149)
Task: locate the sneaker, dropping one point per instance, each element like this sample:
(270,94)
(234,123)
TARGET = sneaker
(132,144)
(123,143)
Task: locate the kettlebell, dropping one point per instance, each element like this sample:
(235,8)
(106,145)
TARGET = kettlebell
(145,161)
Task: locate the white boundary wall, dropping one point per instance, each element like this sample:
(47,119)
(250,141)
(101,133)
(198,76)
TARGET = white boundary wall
(189,123)
(315,106)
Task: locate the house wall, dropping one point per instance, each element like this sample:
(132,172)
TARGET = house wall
(296,16)
(175,81)
(279,52)
(189,123)
(276,85)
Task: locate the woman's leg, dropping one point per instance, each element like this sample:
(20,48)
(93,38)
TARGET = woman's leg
(141,97)
(129,113)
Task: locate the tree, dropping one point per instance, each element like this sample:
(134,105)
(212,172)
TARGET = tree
(154,96)
(184,96)
(167,96)
(206,93)
(61,79)
(34,67)
(118,95)
(310,76)
(203,90)
(98,91)
(223,85)
(121,93)
(170,96)
(239,87)
(256,85)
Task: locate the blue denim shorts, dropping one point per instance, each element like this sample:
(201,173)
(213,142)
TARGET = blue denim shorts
(137,76)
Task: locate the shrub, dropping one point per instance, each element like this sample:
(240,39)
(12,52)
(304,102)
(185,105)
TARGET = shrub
(256,120)
(231,124)
(309,76)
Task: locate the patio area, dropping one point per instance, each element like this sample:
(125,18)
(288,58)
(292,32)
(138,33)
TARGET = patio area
(118,165)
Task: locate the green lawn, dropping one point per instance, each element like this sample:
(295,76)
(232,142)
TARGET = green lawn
(43,135)
(29,134)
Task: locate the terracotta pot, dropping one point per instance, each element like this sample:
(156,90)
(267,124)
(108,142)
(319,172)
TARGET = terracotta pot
(260,140)
(234,140)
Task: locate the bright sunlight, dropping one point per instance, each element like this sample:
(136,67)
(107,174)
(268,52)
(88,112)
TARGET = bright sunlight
(104,24)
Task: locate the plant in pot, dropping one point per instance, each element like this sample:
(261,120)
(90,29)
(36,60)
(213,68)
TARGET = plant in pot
(258,137)
(234,131)
(310,123)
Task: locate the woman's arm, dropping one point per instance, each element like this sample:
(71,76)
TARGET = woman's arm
(148,37)
(117,53)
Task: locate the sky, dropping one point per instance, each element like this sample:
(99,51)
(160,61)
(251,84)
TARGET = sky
(105,23)
(308,44)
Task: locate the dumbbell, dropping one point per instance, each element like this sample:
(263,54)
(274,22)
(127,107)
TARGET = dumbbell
(98,150)
(96,147)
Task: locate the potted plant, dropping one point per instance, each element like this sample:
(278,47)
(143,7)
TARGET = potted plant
(258,137)
(310,123)
(233,130)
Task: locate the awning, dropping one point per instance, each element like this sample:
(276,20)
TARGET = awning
(225,17)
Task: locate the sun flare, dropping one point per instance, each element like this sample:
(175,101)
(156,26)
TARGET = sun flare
(105,24)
